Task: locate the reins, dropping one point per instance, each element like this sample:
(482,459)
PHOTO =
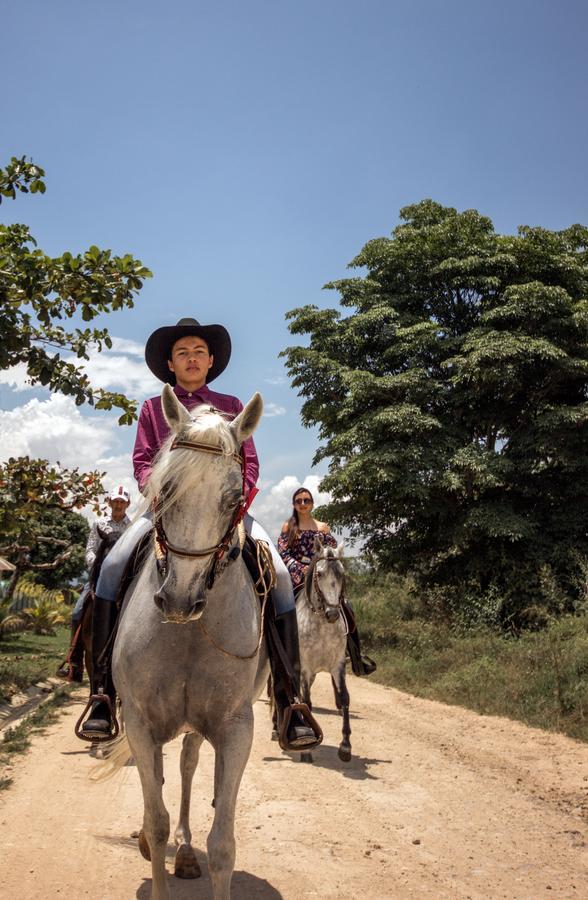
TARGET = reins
(263,587)
(218,550)
(264,583)
(312,583)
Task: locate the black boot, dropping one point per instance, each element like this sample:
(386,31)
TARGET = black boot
(360,664)
(104,617)
(297,728)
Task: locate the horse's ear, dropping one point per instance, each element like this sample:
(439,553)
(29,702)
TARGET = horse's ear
(101,534)
(340,551)
(175,414)
(318,545)
(247,421)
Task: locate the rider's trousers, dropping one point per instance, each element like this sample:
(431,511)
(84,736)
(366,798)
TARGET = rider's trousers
(114,564)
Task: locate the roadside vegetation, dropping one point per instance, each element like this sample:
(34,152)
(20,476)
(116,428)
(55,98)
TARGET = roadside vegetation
(538,675)
(26,658)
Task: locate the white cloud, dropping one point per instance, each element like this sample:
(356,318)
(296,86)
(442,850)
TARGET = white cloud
(276,379)
(123,345)
(111,371)
(273,409)
(55,429)
(120,369)
(16,377)
(273,505)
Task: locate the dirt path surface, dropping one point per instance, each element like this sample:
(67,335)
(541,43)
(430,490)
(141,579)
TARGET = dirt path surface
(437,802)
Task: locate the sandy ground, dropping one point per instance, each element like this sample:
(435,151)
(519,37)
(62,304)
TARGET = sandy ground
(436,802)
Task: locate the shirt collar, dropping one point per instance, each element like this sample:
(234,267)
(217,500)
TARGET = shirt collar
(181,392)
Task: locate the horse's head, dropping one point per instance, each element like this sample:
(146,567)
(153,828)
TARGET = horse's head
(325,585)
(107,541)
(196,487)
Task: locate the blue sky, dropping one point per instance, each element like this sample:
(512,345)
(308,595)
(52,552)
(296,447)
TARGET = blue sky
(246,151)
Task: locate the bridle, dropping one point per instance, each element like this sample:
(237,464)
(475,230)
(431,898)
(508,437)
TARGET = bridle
(321,607)
(219,550)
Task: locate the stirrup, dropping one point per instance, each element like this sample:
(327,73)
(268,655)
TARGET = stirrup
(114,730)
(308,719)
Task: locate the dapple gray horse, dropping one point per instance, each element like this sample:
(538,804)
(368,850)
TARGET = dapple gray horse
(190,659)
(322,633)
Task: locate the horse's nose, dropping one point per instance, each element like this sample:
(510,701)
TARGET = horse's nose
(172,612)
(197,609)
(332,614)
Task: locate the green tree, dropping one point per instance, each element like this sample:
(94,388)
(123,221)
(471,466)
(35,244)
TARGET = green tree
(451,400)
(32,494)
(38,292)
(69,527)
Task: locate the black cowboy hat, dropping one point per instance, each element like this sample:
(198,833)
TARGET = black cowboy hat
(159,346)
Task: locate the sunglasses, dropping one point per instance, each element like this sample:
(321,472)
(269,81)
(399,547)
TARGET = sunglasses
(302,502)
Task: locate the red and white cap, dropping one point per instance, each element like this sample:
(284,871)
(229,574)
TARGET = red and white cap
(120,493)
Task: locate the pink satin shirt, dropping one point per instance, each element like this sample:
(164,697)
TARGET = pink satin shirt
(153,430)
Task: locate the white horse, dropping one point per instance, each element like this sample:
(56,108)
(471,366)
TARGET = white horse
(189,657)
(322,633)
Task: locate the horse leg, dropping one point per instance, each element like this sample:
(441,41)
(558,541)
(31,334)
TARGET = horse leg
(337,697)
(155,832)
(342,699)
(232,746)
(186,862)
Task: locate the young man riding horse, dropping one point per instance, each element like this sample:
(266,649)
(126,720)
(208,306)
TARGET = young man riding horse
(189,356)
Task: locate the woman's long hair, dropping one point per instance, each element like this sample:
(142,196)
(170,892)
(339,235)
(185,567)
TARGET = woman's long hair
(294,522)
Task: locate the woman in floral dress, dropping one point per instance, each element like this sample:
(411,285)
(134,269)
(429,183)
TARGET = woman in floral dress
(295,546)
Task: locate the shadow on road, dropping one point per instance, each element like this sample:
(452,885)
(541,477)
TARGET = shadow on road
(325,757)
(323,711)
(244,886)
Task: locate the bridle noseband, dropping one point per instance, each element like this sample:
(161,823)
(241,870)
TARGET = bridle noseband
(321,608)
(218,551)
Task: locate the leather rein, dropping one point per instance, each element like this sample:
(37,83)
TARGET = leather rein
(321,608)
(219,550)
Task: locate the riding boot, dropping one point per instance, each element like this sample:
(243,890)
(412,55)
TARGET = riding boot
(361,664)
(103,620)
(298,729)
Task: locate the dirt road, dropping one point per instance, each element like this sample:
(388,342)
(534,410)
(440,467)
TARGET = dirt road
(437,802)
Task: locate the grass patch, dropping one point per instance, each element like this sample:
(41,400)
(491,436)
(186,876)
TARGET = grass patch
(18,739)
(539,678)
(26,658)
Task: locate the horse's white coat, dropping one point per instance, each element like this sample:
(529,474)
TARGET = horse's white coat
(323,642)
(169,676)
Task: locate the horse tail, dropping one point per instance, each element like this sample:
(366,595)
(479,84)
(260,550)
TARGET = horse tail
(117,754)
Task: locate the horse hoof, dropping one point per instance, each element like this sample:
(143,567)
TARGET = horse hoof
(306,757)
(186,863)
(275,735)
(344,754)
(144,846)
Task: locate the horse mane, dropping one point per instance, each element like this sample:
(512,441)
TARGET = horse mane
(173,474)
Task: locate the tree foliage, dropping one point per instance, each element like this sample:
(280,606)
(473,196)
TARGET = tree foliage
(71,528)
(33,495)
(39,292)
(451,399)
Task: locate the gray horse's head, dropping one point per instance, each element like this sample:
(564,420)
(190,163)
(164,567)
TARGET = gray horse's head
(196,491)
(326,580)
